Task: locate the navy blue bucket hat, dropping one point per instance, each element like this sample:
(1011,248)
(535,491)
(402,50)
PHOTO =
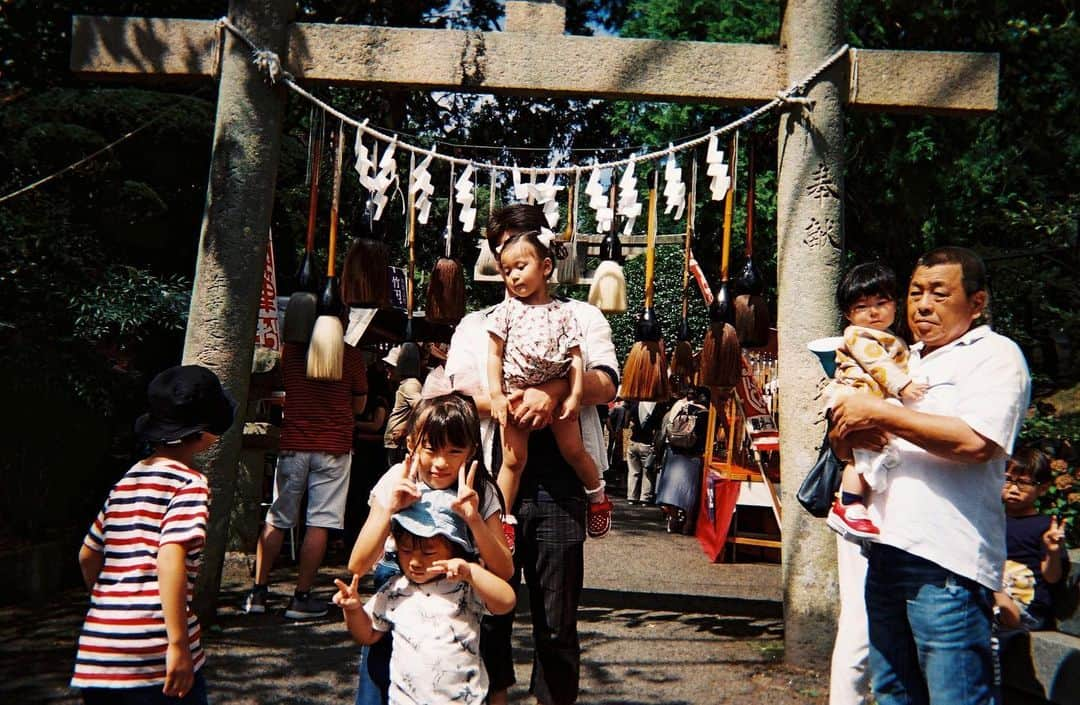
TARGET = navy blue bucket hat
(184,400)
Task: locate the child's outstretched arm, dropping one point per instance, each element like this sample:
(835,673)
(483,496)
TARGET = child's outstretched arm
(357,620)
(172,586)
(487,533)
(373,534)
(496,348)
(496,593)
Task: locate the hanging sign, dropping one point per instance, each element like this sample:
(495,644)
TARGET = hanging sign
(398,295)
(267,330)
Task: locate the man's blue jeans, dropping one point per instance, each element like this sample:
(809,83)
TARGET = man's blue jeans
(929,632)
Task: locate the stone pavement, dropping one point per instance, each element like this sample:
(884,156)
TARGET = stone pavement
(659,625)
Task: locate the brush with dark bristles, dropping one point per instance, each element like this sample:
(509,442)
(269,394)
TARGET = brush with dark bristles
(683,367)
(752,318)
(721,353)
(645,373)
(446,288)
(300,313)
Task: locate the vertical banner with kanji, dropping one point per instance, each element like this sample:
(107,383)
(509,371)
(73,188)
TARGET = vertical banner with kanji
(267,333)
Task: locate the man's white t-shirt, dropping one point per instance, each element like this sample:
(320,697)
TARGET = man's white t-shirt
(466,365)
(950,512)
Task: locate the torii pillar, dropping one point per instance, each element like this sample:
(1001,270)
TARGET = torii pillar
(810,239)
(235,231)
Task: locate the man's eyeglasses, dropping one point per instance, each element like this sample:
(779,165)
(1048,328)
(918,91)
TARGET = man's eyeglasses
(1021,482)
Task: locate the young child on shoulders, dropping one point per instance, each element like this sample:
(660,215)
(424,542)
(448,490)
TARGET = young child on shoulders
(140,640)
(871,359)
(535,339)
(1035,545)
(433,608)
(442,441)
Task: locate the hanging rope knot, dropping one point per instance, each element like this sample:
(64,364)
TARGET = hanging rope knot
(269,63)
(791,97)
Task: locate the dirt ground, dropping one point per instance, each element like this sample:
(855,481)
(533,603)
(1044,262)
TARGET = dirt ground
(659,625)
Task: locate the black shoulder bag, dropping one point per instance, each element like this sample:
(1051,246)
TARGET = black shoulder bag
(818,488)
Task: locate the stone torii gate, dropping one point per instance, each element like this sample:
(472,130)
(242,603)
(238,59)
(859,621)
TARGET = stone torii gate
(247,136)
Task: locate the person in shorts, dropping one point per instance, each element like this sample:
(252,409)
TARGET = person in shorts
(314,458)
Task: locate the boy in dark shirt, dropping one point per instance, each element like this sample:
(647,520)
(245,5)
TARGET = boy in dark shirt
(1036,546)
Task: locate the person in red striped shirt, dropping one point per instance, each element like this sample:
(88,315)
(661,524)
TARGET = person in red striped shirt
(140,642)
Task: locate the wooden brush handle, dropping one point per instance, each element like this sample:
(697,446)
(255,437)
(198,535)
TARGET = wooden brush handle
(335,202)
(313,199)
(729,210)
(568,231)
(750,199)
(411,237)
(725,255)
(688,245)
(650,244)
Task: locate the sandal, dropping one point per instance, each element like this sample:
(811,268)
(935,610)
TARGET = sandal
(598,522)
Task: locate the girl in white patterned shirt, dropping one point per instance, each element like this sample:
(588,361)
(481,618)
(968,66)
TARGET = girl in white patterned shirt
(536,339)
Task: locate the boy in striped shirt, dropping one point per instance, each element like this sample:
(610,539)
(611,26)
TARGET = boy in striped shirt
(140,642)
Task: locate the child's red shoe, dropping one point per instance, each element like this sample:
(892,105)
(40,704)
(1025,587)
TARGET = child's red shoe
(852,521)
(509,527)
(598,522)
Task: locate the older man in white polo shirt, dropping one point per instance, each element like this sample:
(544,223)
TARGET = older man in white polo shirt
(930,579)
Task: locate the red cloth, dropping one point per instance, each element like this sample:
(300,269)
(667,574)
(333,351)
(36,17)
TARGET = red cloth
(318,413)
(718,498)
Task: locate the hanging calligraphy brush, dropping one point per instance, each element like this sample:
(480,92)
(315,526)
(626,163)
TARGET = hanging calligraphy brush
(409,349)
(446,289)
(567,266)
(300,312)
(326,350)
(721,353)
(683,368)
(645,373)
(608,289)
(752,319)
(486,264)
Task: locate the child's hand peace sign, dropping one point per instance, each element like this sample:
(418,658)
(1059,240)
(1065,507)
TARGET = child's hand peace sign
(467,504)
(405,492)
(347,597)
(1054,537)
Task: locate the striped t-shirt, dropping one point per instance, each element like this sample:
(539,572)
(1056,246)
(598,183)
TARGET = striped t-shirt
(123,640)
(319,413)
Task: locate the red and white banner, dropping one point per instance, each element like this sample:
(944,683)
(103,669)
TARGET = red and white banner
(760,427)
(267,332)
(702,282)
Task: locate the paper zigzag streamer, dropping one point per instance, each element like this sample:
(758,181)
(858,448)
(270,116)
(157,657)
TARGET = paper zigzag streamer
(420,185)
(674,188)
(628,203)
(464,197)
(718,170)
(545,194)
(364,166)
(598,202)
(386,175)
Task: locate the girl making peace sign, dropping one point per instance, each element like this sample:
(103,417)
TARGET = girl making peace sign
(444,436)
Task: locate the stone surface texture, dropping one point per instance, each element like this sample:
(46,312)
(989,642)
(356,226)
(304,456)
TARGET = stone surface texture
(232,250)
(515,62)
(810,227)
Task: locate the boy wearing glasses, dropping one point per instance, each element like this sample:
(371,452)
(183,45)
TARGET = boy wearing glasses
(874,359)
(1035,544)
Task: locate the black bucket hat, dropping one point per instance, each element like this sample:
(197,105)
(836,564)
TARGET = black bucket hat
(184,400)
